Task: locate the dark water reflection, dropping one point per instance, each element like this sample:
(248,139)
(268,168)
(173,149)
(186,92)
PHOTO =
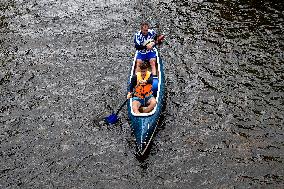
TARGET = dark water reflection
(64,64)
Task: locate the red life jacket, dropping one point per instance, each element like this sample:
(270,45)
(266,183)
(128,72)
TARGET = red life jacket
(143,90)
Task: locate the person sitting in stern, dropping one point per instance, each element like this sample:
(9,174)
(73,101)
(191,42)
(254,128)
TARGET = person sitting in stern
(145,40)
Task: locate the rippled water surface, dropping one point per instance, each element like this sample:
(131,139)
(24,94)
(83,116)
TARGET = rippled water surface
(65,64)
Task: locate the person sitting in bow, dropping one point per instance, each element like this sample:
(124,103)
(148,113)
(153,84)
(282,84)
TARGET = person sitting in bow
(141,85)
(144,41)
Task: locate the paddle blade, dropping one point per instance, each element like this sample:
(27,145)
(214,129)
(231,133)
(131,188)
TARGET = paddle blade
(160,39)
(112,119)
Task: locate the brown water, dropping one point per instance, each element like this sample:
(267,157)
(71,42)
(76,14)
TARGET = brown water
(65,64)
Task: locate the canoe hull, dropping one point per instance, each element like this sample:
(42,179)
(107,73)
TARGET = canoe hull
(144,125)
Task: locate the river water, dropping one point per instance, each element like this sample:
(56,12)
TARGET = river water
(64,64)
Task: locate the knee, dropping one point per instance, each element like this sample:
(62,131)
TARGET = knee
(138,62)
(153,102)
(153,62)
(135,109)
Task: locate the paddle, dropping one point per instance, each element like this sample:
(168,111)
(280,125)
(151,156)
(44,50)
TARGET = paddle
(113,118)
(160,38)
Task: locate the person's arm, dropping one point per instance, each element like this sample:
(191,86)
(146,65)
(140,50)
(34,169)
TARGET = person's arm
(158,37)
(155,35)
(137,43)
(152,42)
(150,80)
(140,47)
(132,85)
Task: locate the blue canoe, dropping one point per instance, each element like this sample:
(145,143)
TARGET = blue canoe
(145,124)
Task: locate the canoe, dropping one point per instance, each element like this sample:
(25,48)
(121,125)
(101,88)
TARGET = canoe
(144,124)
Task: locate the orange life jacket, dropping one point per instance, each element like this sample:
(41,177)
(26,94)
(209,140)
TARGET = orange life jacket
(143,90)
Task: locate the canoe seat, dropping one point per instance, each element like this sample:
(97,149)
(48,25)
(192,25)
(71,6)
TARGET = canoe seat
(155,86)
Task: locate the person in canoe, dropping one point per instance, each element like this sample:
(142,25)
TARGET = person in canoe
(141,85)
(144,41)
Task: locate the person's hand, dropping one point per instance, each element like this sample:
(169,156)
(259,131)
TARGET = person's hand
(150,45)
(129,95)
(142,81)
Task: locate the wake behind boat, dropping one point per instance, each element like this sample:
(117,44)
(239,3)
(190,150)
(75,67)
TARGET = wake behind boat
(145,124)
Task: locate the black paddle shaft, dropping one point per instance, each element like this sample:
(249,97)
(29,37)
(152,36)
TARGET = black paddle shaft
(121,107)
(123,104)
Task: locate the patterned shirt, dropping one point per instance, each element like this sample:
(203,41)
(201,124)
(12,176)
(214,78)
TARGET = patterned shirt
(140,40)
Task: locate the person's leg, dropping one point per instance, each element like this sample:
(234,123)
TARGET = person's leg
(151,56)
(153,66)
(138,63)
(151,104)
(139,60)
(136,105)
